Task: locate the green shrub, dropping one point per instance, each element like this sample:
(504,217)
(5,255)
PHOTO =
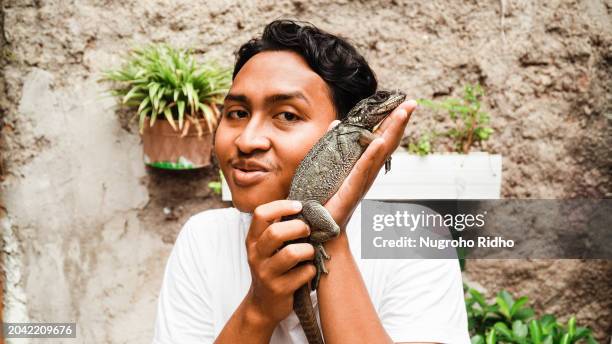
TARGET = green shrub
(507,320)
(422,145)
(470,123)
(161,80)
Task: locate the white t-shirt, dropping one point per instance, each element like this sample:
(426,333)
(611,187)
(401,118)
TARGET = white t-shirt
(207,276)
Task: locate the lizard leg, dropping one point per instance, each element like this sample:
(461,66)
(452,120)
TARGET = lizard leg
(365,138)
(323,228)
(320,220)
(319,264)
(324,253)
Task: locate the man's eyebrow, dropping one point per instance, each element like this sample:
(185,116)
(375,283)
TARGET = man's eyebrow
(241,98)
(279,97)
(271,99)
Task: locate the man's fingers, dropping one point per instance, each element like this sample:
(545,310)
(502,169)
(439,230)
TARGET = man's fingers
(268,213)
(289,256)
(393,134)
(299,276)
(278,233)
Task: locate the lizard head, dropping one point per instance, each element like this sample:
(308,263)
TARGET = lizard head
(374,109)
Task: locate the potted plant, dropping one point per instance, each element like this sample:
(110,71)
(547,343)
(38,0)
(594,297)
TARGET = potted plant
(455,172)
(176,100)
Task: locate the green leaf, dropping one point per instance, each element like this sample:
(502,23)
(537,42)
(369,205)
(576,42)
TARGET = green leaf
(161,106)
(215,187)
(571,327)
(168,115)
(591,340)
(158,99)
(547,320)
(507,297)
(523,314)
(181,112)
(503,329)
(188,90)
(581,332)
(548,339)
(565,339)
(143,115)
(491,338)
(153,87)
(519,329)
(208,115)
(504,308)
(482,133)
(153,118)
(477,339)
(535,331)
(132,93)
(518,304)
(143,104)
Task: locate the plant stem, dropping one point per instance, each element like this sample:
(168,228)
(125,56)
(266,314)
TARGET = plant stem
(468,143)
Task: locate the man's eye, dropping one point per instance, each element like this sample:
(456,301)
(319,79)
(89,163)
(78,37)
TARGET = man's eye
(288,116)
(236,114)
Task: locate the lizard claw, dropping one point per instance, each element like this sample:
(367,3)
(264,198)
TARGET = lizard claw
(319,261)
(388,165)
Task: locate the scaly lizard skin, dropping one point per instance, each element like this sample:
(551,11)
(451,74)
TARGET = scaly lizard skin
(318,178)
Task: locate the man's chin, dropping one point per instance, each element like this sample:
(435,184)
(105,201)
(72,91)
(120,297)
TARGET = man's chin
(243,205)
(247,199)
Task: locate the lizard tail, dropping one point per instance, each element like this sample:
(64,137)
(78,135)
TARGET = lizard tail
(305,312)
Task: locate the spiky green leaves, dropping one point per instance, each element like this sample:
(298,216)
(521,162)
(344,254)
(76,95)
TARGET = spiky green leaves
(161,80)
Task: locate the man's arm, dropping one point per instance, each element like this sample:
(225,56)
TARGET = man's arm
(347,314)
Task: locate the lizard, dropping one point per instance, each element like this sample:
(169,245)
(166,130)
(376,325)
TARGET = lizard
(319,176)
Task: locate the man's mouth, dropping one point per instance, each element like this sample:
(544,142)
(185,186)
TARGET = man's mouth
(248,172)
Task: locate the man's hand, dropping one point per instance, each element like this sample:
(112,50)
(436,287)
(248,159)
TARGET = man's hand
(358,182)
(274,278)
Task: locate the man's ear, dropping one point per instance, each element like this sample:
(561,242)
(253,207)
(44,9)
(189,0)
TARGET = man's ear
(333,124)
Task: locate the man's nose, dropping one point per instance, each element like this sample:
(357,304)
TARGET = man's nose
(253,137)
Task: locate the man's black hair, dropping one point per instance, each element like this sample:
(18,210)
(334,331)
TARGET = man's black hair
(335,60)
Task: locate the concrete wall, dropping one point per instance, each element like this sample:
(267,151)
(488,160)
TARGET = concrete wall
(85,237)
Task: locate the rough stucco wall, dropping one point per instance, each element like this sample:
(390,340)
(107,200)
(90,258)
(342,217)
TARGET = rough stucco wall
(85,219)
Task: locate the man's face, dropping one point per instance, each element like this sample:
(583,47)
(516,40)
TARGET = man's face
(275,111)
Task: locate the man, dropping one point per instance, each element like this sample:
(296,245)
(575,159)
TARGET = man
(230,280)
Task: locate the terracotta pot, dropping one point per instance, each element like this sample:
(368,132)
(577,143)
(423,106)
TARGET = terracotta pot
(163,147)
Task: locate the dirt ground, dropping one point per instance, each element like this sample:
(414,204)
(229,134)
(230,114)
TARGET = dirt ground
(86,226)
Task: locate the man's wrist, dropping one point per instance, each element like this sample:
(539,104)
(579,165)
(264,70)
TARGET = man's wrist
(247,323)
(254,318)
